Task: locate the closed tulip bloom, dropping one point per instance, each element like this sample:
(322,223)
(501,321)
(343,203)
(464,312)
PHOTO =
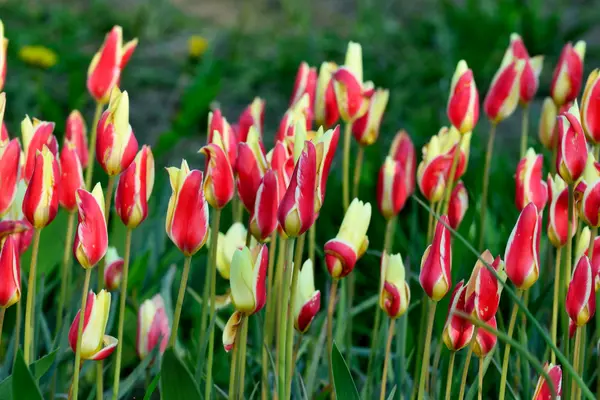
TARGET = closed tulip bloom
(394,292)
(403,150)
(36,134)
(71,176)
(105,69)
(530,77)
(91,238)
(503,95)
(351,97)
(326,109)
(572,147)
(391,188)
(219,183)
(522,256)
(187,215)
(568,74)
(458,331)
(229,140)
(40,203)
(436,263)
(248,273)
(134,189)
(590,107)
(231,329)
(590,204)
(483,289)
(351,242)
(14,222)
(547,126)
(10,272)
(95,344)
(76,133)
(305,83)
(581,299)
(252,116)
(558,213)
(325,146)
(152,327)
(113,271)
(485,341)
(308,300)
(595,261)
(458,205)
(298,113)
(263,221)
(542,389)
(251,166)
(10,173)
(530,187)
(463,102)
(228,243)
(3,47)
(366,128)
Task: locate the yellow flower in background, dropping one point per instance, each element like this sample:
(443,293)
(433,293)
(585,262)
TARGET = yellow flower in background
(38,56)
(197,46)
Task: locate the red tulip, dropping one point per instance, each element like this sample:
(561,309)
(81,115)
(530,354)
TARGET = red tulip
(252,116)
(503,95)
(264,217)
(91,238)
(595,261)
(366,128)
(219,183)
(391,188)
(76,133)
(40,203)
(36,134)
(522,256)
(590,107)
(463,102)
(458,331)
(581,299)
(530,77)
(10,173)
(458,205)
(251,166)
(71,176)
(113,271)
(558,213)
(568,74)
(572,148)
(152,327)
(218,123)
(248,284)
(325,146)
(483,289)
(299,113)
(4,133)
(134,189)
(306,83)
(485,341)
(352,97)
(547,126)
(3,47)
(542,389)
(436,264)
(394,291)
(308,300)
(530,187)
(403,150)
(15,224)
(590,204)
(326,109)
(10,273)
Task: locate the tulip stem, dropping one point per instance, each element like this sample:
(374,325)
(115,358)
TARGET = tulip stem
(451,176)
(180,296)
(346,166)
(289,352)
(122,302)
(242,357)
(509,333)
(435,365)
(426,349)
(449,375)
(233,370)
(214,232)
(84,296)
(289,259)
(386,360)
(278,308)
(204,314)
(312,239)
(65,271)
(330,309)
(555,301)
(430,222)
(465,374)
(524,130)
(570,227)
(2,312)
(576,360)
(268,325)
(486,180)
(89,173)
(18,324)
(29,321)
(358,162)
(480,373)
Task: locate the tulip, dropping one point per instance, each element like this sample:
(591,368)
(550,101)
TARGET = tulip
(530,77)
(299,112)
(403,150)
(366,128)
(595,260)
(394,292)
(134,189)
(530,187)
(229,140)
(251,166)
(308,300)
(582,244)
(325,146)
(252,116)
(219,181)
(306,83)
(581,300)
(483,289)
(71,176)
(105,69)
(40,203)
(248,272)
(590,107)
(523,248)
(228,243)
(503,95)
(351,242)
(547,126)
(10,173)
(590,204)
(485,341)
(3,47)
(152,327)
(542,389)
(558,214)
(391,188)
(459,203)
(116,145)
(326,109)
(113,271)
(263,221)
(3,133)
(76,133)
(95,344)
(572,150)
(91,239)
(458,331)
(436,263)
(187,214)
(10,273)
(15,224)
(351,95)
(568,74)
(36,134)
(463,102)
(230,331)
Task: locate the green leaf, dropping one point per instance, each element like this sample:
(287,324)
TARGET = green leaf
(152,387)
(40,367)
(342,380)
(24,386)
(135,376)
(176,381)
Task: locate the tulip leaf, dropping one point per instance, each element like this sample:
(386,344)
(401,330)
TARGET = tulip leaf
(342,379)
(135,376)
(39,368)
(176,381)
(24,386)
(152,387)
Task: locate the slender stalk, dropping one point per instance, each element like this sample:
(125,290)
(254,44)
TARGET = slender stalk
(84,295)
(555,302)
(18,324)
(242,357)
(279,293)
(122,302)
(268,326)
(511,328)
(233,370)
(89,173)
(312,239)
(330,309)
(289,352)
(346,166)
(451,176)
(463,380)
(2,312)
(486,179)
(576,360)
(205,308)
(358,162)
(449,375)
(289,254)
(386,360)
(524,130)
(435,365)
(29,321)
(570,226)
(180,296)
(426,349)
(430,222)
(480,373)
(64,273)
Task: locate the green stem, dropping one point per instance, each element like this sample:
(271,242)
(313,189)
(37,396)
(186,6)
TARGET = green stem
(64,273)
(511,328)
(312,238)
(289,255)
(524,130)
(430,222)
(449,375)
(205,309)
(29,320)
(480,372)
(2,312)
(387,358)
(180,296)
(576,360)
(451,176)
(84,296)
(360,154)
(233,370)
(289,352)
(89,173)
(330,309)
(268,325)
(463,380)
(346,166)
(435,365)
(18,324)
(280,270)
(242,357)
(374,342)
(486,180)
(214,231)
(570,226)
(555,302)
(427,348)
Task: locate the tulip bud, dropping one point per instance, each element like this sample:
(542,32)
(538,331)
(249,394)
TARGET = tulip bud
(523,249)
(485,341)
(458,331)
(219,181)
(581,300)
(248,273)
(263,221)
(403,150)
(590,107)
(306,83)
(351,98)
(230,330)
(326,109)
(391,189)
(558,214)
(595,261)
(36,134)
(91,238)
(590,204)
(14,222)
(308,300)
(530,77)
(153,327)
(95,344)
(187,214)
(394,292)
(134,189)
(71,176)
(351,242)
(366,128)
(218,123)
(252,116)
(458,205)
(251,166)
(572,147)
(76,133)
(530,187)
(40,203)
(10,173)
(325,146)
(10,273)
(547,126)
(483,289)
(542,389)
(105,69)
(463,102)
(113,271)
(228,243)
(503,95)
(568,74)
(436,263)
(3,47)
